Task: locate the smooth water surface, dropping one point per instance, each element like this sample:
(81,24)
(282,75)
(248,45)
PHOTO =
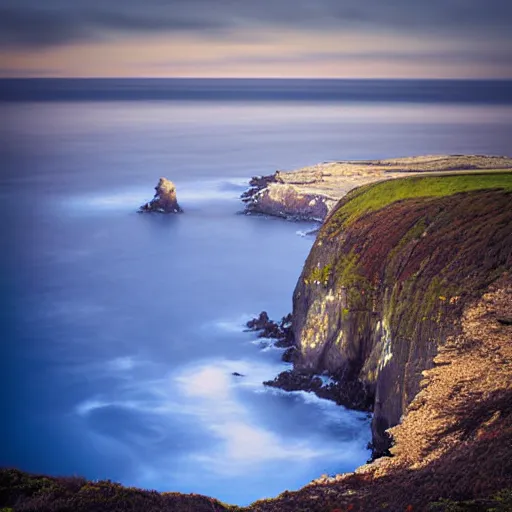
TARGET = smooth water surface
(120,331)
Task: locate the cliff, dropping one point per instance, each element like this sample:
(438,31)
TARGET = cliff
(387,280)
(312,192)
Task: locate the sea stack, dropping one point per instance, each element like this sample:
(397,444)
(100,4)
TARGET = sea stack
(165,200)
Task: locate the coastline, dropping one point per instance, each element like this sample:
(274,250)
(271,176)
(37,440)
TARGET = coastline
(442,450)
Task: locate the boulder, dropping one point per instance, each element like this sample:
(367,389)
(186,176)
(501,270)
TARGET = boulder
(267,328)
(165,200)
(260,322)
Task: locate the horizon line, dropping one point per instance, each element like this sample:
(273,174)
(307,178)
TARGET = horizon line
(476,79)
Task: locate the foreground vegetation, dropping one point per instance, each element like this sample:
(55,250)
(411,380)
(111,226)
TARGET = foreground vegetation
(22,492)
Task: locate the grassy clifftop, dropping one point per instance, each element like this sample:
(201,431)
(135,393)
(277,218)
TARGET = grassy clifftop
(375,196)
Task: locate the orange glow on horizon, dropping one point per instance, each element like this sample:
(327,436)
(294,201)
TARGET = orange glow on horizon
(271,54)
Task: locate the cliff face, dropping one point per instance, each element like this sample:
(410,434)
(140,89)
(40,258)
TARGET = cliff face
(386,282)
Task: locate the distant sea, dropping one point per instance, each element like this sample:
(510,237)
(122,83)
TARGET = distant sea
(220,89)
(120,332)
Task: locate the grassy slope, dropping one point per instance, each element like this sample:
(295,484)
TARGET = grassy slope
(378,195)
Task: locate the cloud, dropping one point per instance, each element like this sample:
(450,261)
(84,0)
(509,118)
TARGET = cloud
(451,56)
(423,57)
(54,22)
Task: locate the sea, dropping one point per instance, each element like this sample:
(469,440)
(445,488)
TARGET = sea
(120,332)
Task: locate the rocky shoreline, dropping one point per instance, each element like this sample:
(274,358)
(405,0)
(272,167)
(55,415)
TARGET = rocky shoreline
(280,332)
(311,193)
(339,388)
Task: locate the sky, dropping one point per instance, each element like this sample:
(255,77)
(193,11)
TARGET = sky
(256,38)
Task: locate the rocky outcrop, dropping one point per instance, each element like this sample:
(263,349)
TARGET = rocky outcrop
(266,328)
(286,200)
(351,394)
(312,192)
(382,290)
(165,200)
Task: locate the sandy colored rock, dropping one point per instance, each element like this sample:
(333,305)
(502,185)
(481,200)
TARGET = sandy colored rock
(165,200)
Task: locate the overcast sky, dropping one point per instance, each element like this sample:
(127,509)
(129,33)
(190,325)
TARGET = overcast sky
(257,38)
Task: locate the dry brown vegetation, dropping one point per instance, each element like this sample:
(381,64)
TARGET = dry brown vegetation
(455,442)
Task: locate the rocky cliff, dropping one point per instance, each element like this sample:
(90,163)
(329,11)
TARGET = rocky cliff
(387,280)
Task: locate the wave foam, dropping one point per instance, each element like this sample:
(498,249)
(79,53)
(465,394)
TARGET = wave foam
(207,402)
(129,199)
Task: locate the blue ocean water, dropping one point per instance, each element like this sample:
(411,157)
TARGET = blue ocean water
(120,332)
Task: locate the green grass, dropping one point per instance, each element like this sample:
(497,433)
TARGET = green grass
(320,275)
(378,195)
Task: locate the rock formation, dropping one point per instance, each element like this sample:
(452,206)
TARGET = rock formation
(270,195)
(165,200)
(266,328)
